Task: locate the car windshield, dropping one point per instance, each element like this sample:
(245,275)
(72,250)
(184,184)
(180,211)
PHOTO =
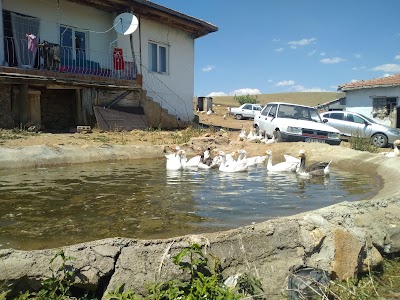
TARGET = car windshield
(298,112)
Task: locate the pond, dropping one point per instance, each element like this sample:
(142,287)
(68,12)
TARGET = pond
(57,206)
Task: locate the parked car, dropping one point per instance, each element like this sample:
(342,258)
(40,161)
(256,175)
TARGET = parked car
(292,123)
(245,111)
(355,124)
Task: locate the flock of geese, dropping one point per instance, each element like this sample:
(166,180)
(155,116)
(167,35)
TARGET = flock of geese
(238,161)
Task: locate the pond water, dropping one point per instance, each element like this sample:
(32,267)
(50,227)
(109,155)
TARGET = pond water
(57,206)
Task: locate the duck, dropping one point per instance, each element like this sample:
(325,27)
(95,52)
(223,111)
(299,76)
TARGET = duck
(231,167)
(285,166)
(395,152)
(315,169)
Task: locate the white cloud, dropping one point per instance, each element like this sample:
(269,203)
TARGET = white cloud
(276,40)
(269,80)
(208,68)
(245,91)
(216,94)
(302,42)
(285,83)
(323,54)
(333,60)
(387,75)
(358,56)
(300,88)
(359,68)
(279,49)
(397,56)
(389,68)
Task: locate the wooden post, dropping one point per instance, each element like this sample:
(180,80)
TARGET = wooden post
(22,101)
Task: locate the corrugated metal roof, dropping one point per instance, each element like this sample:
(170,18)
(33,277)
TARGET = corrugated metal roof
(393,80)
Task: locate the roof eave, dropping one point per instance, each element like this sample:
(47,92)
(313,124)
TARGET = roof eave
(344,89)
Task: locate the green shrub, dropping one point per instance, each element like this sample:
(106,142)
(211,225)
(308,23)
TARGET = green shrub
(246,99)
(362,144)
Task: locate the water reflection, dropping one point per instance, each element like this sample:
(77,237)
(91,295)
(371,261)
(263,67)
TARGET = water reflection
(50,207)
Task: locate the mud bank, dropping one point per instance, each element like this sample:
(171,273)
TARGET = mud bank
(342,239)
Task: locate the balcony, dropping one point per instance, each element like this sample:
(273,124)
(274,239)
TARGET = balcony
(62,62)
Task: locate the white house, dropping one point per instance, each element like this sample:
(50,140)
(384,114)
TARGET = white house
(60,59)
(377,98)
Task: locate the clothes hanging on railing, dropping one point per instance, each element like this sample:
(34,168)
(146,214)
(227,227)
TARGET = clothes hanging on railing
(51,54)
(32,42)
(118,59)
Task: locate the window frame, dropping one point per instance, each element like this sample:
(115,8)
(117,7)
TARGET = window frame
(162,57)
(84,52)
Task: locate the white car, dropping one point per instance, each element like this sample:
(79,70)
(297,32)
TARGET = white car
(293,123)
(246,110)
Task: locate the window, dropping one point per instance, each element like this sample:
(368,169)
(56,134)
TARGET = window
(386,104)
(248,106)
(73,47)
(337,116)
(158,58)
(355,119)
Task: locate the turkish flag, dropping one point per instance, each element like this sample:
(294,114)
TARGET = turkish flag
(118,59)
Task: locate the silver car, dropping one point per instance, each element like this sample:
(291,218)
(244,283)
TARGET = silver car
(355,124)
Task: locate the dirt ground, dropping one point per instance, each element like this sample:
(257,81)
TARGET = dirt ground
(221,130)
(232,126)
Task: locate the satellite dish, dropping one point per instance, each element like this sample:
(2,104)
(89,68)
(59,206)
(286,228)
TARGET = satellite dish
(125,23)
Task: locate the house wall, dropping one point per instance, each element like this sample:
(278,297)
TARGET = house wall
(180,76)
(361,101)
(74,15)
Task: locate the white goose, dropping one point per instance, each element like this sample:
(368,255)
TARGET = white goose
(174,162)
(395,152)
(191,163)
(250,161)
(242,134)
(252,137)
(232,167)
(315,169)
(285,166)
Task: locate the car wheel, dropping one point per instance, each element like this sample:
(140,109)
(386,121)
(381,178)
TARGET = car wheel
(239,117)
(379,140)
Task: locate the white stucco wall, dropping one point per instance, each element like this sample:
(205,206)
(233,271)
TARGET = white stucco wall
(180,76)
(360,101)
(83,18)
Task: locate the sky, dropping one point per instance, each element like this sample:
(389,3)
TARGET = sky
(280,46)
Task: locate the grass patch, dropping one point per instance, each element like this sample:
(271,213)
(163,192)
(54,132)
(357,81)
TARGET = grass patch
(311,99)
(15,134)
(362,144)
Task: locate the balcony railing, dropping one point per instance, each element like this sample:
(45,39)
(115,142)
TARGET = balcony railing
(117,64)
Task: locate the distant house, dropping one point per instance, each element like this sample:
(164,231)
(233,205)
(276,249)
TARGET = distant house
(336,104)
(377,98)
(62,64)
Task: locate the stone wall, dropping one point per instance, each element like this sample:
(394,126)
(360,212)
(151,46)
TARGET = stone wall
(343,240)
